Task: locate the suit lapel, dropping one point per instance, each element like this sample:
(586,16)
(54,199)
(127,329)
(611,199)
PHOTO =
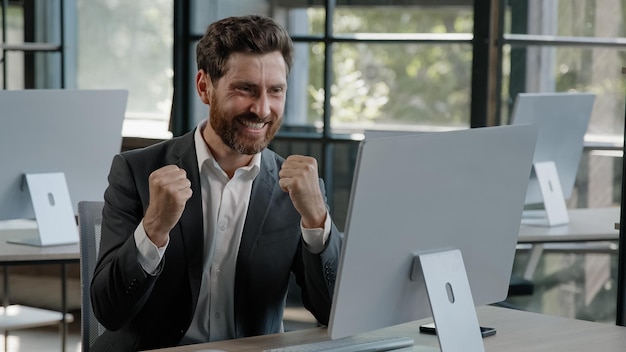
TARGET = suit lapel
(190,226)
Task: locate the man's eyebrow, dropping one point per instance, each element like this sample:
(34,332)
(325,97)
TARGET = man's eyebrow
(236,83)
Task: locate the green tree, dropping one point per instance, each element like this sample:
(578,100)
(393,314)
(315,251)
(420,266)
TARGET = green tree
(426,84)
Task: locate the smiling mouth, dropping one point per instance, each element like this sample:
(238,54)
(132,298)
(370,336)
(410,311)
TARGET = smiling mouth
(252,125)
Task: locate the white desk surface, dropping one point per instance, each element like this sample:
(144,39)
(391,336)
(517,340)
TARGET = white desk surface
(517,331)
(11,253)
(585,225)
(15,317)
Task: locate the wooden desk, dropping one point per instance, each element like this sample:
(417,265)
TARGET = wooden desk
(585,225)
(17,317)
(516,331)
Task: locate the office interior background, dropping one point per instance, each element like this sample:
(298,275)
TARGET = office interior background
(405,65)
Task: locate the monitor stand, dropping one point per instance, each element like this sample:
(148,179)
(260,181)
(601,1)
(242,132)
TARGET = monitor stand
(56,223)
(555,213)
(451,303)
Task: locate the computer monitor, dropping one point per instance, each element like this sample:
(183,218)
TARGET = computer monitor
(563,119)
(429,193)
(74,132)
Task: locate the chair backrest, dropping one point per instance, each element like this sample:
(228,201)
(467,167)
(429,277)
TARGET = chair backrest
(89,222)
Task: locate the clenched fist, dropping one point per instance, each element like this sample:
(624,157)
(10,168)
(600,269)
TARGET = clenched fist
(298,177)
(169,191)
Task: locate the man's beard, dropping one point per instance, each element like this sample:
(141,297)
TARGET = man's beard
(228,130)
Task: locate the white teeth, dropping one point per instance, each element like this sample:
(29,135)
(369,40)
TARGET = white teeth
(252,125)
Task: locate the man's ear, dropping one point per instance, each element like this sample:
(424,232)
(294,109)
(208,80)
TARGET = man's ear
(203,86)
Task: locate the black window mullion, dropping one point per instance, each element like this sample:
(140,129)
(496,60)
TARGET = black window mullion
(180,118)
(479,107)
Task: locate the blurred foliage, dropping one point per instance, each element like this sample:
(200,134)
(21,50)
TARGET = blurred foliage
(127,44)
(413,83)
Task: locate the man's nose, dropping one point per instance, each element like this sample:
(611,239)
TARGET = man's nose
(261,106)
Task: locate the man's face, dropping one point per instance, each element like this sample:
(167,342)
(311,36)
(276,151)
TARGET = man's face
(247,104)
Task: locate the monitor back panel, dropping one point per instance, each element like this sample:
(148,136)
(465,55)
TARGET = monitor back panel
(76,132)
(563,119)
(425,193)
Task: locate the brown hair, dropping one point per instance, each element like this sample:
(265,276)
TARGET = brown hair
(246,34)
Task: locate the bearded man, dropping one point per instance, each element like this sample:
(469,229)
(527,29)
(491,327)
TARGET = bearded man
(200,233)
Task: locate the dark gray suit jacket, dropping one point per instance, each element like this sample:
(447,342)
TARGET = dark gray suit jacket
(141,311)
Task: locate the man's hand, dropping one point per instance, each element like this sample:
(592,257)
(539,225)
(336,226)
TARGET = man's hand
(169,191)
(298,177)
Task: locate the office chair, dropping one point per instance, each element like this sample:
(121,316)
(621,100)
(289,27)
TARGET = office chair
(89,222)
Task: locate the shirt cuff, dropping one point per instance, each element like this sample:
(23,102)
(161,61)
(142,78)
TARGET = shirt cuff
(315,239)
(149,255)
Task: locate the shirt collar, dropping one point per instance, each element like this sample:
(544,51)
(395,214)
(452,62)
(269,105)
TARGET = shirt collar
(204,155)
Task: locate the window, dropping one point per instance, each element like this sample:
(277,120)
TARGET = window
(392,67)
(561,46)
(32,44)
(128,45)
(101,44)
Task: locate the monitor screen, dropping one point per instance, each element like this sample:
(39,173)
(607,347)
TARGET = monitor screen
(563,119)
(425,193)
(76,132)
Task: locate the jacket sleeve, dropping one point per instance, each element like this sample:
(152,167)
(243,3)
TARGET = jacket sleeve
(319,274)
(120,286)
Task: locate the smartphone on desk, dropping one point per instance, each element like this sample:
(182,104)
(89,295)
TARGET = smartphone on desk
(430,329)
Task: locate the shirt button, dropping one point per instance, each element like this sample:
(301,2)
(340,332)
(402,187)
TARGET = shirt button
(217,315)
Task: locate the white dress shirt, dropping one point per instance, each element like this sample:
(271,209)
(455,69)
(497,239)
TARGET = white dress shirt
(224,206)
